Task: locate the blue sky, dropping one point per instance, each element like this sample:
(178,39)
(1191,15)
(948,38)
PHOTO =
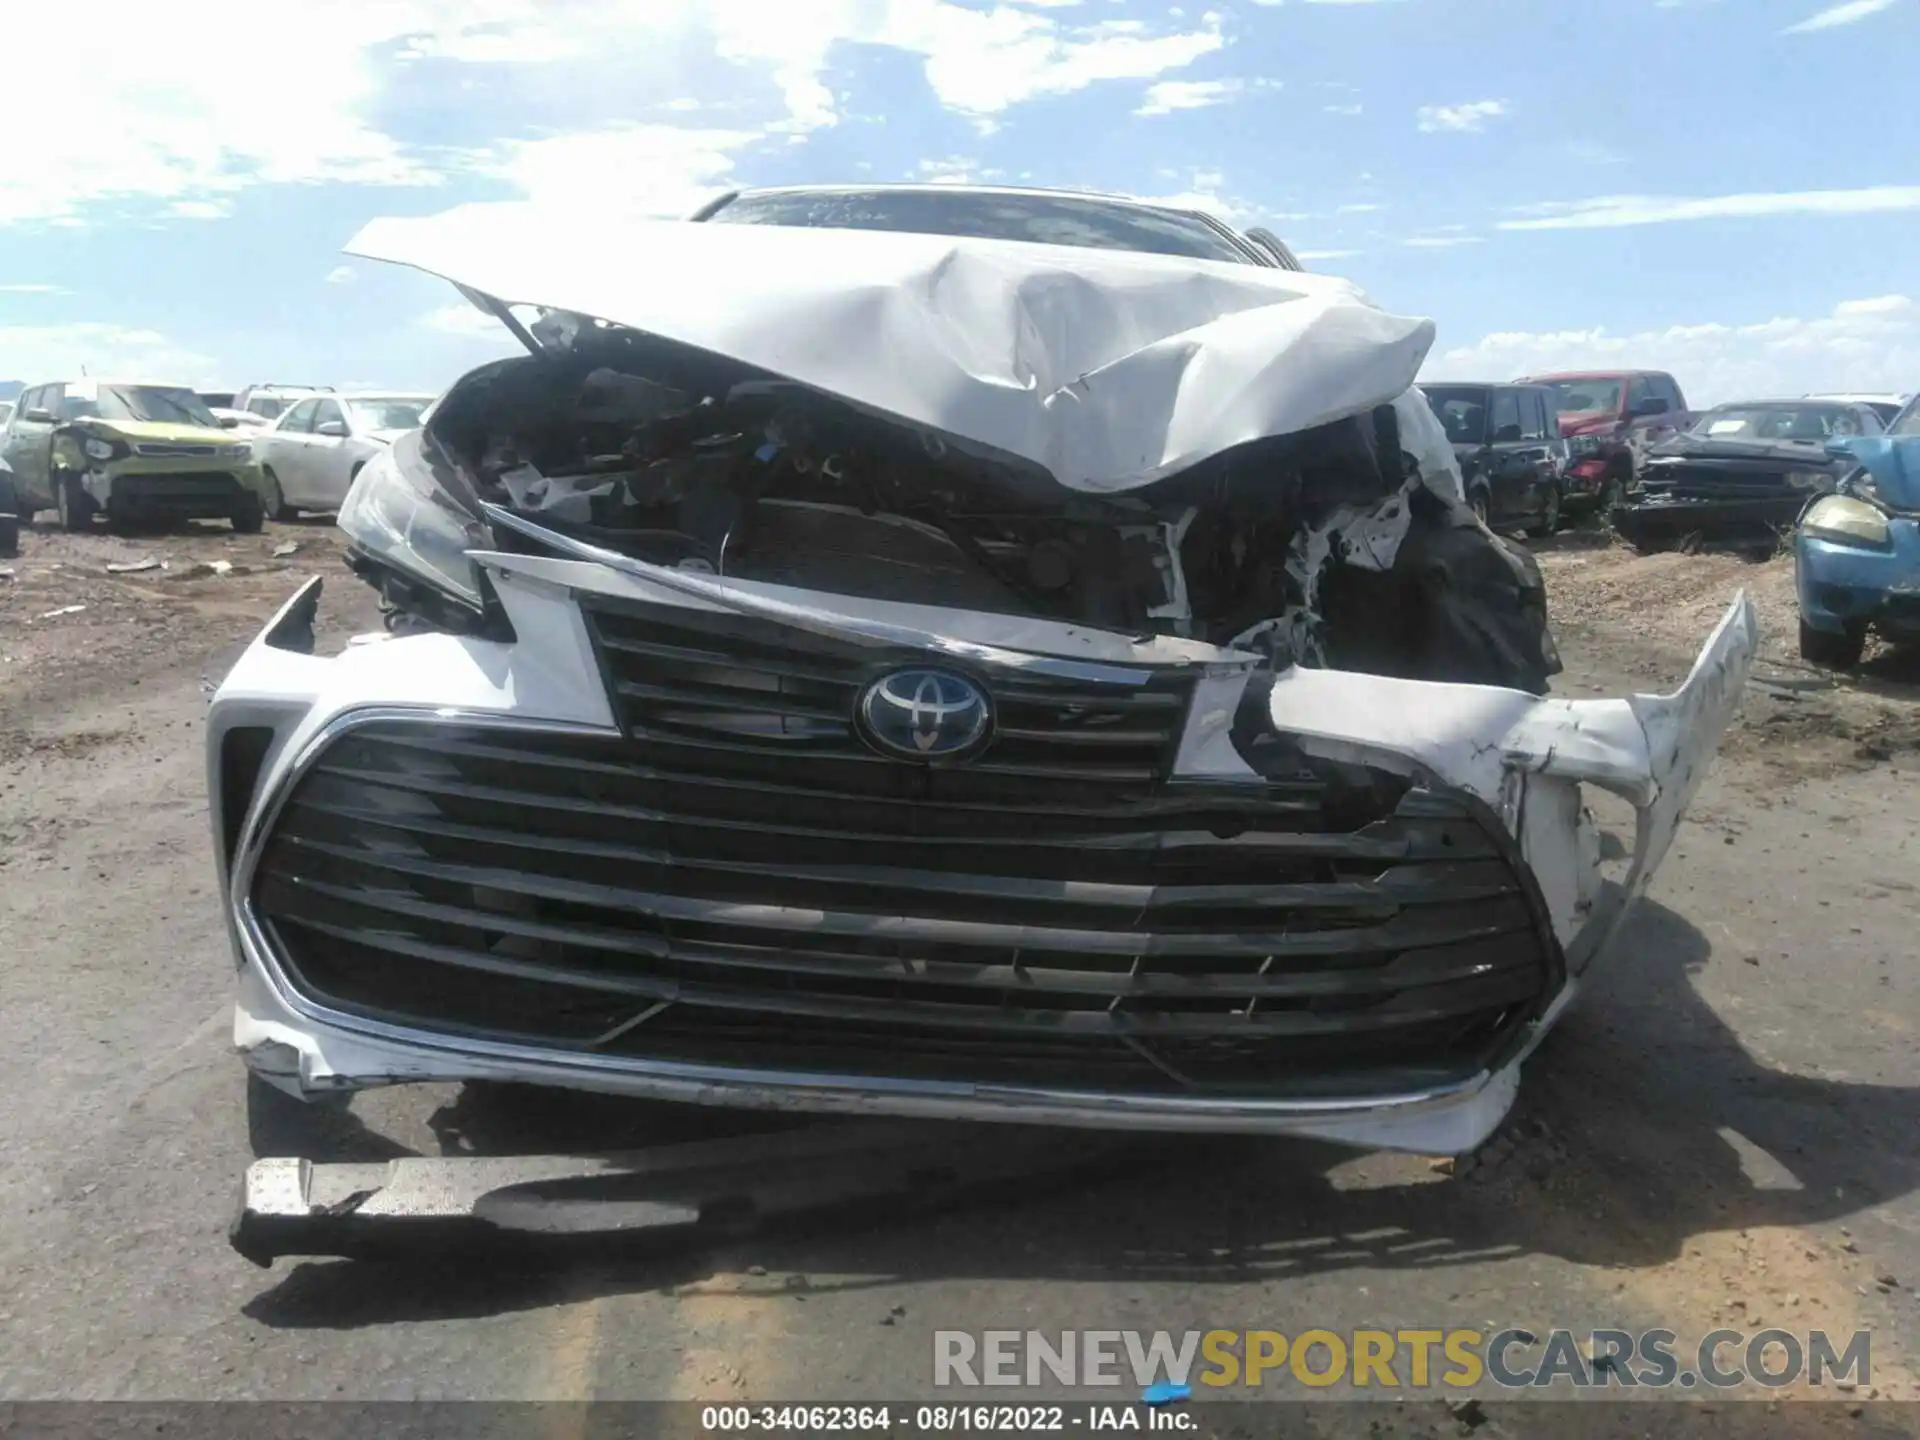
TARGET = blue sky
(1726,188)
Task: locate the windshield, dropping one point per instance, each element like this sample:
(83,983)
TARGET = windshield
(387,412)
(167,404)
(1042,219)
(1585,397)
(1461,410)
(1806,424)
(6,411)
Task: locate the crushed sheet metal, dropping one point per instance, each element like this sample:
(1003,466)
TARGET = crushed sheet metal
(1107,368)
(1014,641)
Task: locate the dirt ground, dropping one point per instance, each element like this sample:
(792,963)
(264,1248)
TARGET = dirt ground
(1724,1132)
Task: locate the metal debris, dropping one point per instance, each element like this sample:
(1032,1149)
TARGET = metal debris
(290,547)
(201,569)
(131,567)
(63,610)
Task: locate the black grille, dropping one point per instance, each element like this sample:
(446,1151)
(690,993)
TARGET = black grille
(739,881)
(192,492)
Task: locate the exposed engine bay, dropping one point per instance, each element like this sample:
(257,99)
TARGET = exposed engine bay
(1328,547)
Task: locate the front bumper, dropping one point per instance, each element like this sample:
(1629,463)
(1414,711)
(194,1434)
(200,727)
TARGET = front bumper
(1843,586)
(1656,519)
(180,488)
(1520,759)
(1585,481)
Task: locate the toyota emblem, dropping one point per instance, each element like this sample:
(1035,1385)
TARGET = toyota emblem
(925,714)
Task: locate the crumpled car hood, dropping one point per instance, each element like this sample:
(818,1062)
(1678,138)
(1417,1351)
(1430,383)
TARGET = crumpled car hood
(1894,463)
(1110,370)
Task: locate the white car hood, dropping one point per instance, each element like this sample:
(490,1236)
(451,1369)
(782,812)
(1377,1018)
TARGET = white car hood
(1109,369)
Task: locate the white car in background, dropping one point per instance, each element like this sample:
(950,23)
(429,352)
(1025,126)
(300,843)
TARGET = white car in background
(1885,406)
(313,452)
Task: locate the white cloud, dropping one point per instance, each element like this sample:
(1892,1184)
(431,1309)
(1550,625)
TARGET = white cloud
(342,275)
(32,290)
(956,170)
(1163,97)
(1347,110)
(1844,14)
(37,353)
(1868,345)
(985,62)
(186,108)
(1308,256)
(1439,242)
(1878,305)
(1469,118)
(664,170)
(979,62)
(1608,212)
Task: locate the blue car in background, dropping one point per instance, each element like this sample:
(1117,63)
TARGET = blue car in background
(1856,553)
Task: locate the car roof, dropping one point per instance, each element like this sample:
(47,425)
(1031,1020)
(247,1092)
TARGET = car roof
(1588,375)
(938,189)
(1478,385)
(1788,400)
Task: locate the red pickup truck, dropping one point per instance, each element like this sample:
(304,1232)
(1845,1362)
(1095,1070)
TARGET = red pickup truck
(1608,419)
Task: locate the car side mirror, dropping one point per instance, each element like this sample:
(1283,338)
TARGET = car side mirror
(332,429)
(229,422)
(1652,405)
(40,415)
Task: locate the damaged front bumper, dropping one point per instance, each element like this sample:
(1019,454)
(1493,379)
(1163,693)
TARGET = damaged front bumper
(450,858)
(1654,520)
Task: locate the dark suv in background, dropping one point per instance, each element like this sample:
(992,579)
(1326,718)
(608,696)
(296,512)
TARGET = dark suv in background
(1506,438)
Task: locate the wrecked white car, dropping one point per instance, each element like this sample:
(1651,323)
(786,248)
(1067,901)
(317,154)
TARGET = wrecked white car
(1042,671)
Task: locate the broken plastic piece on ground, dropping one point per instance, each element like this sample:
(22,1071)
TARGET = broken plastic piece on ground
(133,567)
(286,548)
(63,610)
(677,1193)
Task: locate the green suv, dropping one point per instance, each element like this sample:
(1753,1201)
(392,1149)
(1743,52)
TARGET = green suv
(131,451)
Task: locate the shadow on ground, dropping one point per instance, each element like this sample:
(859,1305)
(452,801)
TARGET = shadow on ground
(1619,1158)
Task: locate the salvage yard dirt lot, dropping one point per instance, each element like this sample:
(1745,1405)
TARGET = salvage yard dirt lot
(1726,1132)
